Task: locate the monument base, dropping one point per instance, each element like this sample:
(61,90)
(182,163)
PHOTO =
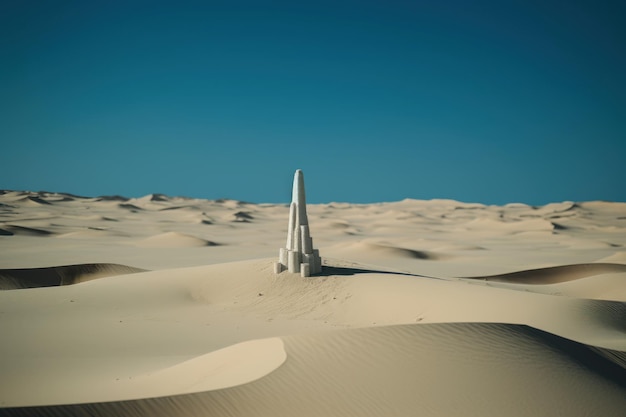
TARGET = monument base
(306,264)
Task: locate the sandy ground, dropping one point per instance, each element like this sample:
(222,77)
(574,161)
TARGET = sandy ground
(163,306)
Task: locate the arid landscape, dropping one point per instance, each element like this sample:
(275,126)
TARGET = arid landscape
(162,306)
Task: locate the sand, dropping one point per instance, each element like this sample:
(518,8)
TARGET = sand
(162,306)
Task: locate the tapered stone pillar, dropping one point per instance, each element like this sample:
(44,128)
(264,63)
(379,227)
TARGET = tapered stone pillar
(298,254)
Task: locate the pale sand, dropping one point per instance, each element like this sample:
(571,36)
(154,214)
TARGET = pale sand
(431,308)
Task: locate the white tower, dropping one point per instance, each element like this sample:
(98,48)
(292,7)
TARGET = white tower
(299,255)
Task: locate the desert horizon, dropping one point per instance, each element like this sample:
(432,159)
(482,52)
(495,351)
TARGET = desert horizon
(171,306)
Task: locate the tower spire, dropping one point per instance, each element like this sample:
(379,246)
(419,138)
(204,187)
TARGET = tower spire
(298,254)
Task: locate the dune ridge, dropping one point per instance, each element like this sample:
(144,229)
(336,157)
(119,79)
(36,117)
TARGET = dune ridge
(174,239)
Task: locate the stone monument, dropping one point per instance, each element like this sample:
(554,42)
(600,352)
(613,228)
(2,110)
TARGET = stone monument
(298,255)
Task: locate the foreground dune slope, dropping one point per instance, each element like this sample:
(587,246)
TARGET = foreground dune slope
(235,339)
(434,370)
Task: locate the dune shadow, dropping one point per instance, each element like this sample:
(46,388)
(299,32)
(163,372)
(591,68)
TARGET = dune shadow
(346,271)
(16,279)
(10,230)
(554,274)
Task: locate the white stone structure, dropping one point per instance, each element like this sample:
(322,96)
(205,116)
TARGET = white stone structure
(298,255)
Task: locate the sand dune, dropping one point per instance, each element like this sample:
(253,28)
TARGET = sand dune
(242,216)
(91,233)
(396,370)
(389,250)
(129,206)
(111,198)
(510,226)
(615,257)
(173,240)
(33,201)
(536,327)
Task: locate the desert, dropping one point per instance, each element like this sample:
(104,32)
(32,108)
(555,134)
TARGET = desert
(460,250)
(161,306)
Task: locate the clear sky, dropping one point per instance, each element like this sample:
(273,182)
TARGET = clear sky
(480,101)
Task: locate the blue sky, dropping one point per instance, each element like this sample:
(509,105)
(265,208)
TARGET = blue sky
(481,101)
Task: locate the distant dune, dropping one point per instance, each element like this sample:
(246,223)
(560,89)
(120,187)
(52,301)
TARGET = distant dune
(173,240)
(169,306)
